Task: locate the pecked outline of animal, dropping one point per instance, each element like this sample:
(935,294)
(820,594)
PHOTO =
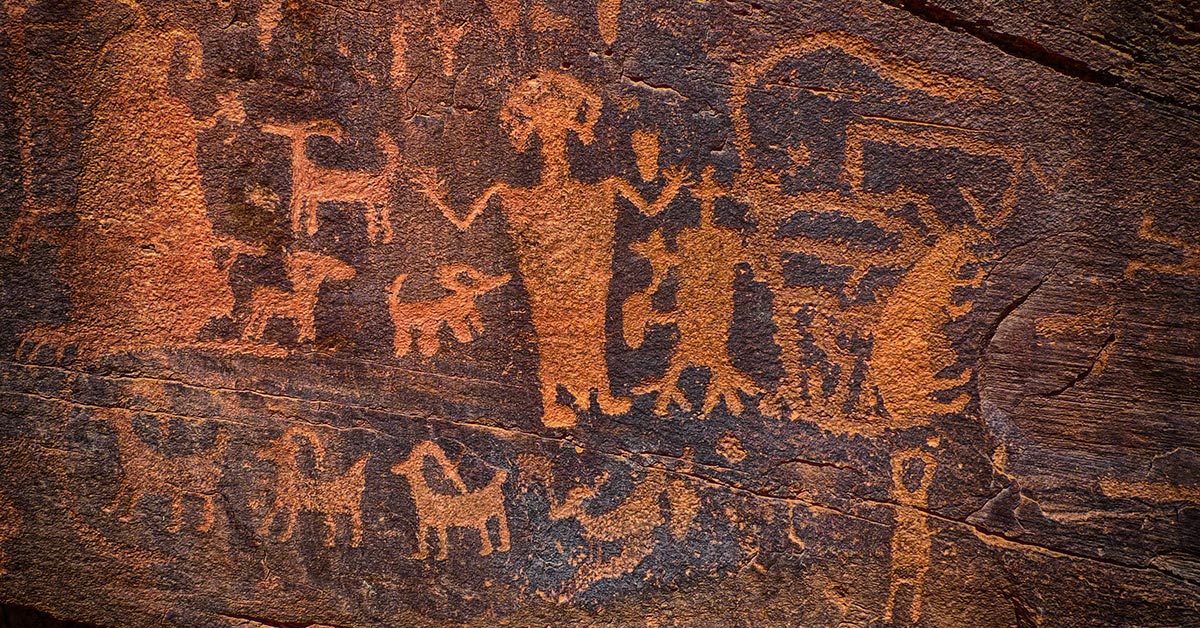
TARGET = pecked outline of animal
(632,522)
(146,470)
(468,509)
(910,348)
(456,310)
(295,491)
(312,184)
(307,271)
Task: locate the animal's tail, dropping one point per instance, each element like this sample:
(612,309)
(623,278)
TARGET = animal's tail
(394,289)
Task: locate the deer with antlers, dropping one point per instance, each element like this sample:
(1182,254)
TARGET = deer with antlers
(456,310)
(307,271)
(468,509)
(147,471)
(296,491)
(313,184)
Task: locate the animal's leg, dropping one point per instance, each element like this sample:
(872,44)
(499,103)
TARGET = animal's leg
(372,223)
(444,539)
(385,219)
(311,214)
(355,527)
(427,340)
(422,543)
(210,515)
(265,528)
(134,497)
(176,513)
(461,329)
(257,323)
(403,339)
(503,519)
(485,539)
(330,529)
(297,209)
(290,526)
(307,326)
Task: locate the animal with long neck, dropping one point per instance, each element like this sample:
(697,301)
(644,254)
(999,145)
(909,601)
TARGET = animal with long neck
(313,184)
(296,491)
(146,471)
(468,509)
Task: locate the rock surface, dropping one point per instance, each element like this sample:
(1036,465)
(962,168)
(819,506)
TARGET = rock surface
(542,313)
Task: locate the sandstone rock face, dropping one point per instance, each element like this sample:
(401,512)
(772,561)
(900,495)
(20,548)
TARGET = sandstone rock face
(621,313)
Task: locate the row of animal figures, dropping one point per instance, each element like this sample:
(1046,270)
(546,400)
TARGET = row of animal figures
(418,321)
(337,495)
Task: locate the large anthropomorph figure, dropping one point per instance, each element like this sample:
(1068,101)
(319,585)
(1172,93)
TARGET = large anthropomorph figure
(563,230)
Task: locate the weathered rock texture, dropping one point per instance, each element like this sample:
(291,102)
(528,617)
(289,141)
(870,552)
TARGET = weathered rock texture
(836,312)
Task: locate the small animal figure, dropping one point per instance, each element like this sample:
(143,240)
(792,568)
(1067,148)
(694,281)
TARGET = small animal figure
(456,310)
(312,184)
(307,271)
(468,509)
(147,471)
(295,491)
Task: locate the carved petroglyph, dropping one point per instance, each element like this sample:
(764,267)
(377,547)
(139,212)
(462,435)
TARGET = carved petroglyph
(607,14)
(912,473)
(1152,491)
(631,523)
(326,493)
(638,313)
(704,303)
(269,16)
(146,471)
(470,509)
(142,225)
(841,352)
(1189,251)
(457,310)
(563,229)
(307,271)
(313,184)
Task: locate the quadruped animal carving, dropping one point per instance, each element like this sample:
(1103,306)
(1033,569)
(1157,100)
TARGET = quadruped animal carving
(327,493)
(313,184)
(563,229)
(468,509)
(146,471)
(307,271)
(457,310)
(631,523)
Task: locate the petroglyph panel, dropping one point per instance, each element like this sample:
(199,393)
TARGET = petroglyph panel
(610,313)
